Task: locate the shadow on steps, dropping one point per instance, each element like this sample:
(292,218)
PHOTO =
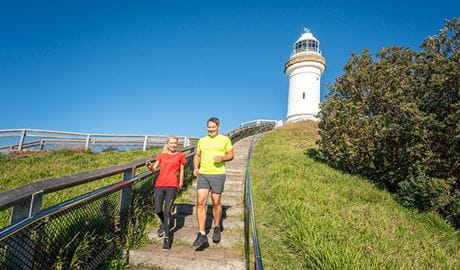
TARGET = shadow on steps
(184,210)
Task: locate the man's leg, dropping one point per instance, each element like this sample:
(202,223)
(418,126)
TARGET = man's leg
(217,187)
(216,208)
(201,199)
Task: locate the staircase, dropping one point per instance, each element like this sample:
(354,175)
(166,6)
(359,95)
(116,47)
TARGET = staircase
(229,253)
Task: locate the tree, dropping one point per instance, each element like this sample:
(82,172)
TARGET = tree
(396,120)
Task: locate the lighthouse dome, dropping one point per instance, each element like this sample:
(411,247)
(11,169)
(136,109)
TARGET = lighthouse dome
(307,43)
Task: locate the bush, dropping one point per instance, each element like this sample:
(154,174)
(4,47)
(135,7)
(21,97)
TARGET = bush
(396,120)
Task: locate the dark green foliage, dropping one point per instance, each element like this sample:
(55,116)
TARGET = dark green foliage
(396,120)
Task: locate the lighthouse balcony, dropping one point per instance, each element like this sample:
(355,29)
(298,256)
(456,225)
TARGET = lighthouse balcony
(305,52)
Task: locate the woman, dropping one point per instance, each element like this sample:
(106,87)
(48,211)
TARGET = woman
(167,185)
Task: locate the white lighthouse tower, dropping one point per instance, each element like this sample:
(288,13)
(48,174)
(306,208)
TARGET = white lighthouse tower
(304,70)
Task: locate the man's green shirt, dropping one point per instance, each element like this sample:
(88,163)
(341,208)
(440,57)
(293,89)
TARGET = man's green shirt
(211,147)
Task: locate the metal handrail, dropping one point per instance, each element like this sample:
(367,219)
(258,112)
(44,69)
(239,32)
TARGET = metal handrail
(250,216)
(76,201)
(68,204)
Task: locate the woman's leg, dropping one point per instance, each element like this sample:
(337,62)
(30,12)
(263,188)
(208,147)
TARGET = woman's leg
(159,198)
(170,196)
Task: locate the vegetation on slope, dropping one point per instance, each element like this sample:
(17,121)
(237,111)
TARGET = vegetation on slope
(312,216)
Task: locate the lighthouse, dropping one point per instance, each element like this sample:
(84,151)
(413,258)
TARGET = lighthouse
(304,69)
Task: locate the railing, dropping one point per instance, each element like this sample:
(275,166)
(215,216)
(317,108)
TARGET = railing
(87,230)
(41,139)
(259,122)
(245,131)
(249,218)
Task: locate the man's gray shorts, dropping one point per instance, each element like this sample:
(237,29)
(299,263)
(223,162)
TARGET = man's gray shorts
(213,182)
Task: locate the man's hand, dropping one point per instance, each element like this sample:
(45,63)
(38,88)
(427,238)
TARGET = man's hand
(218,158)
(195,172)
(181,185)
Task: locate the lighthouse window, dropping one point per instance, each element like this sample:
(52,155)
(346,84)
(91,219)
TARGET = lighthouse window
(306,45)
(303,95)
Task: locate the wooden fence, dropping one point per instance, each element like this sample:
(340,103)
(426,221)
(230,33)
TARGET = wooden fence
(37,139)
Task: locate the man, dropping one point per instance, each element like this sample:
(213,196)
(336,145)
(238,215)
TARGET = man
(212,152)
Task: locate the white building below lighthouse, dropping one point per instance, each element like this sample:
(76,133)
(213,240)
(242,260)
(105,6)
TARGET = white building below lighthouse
(304,69)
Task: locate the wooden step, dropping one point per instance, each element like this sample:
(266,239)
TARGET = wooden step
(227,222)
(182,257)
(187,209)
(185,237)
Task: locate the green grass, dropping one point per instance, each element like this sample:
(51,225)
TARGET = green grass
(22,168)
(311,216)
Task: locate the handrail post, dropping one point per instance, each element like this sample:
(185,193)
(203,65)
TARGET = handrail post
(21,140)
(87,142)
(145,143)
(25,209)
(125,205)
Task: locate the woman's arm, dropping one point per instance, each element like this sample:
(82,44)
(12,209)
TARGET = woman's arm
(181,176)
(153,168)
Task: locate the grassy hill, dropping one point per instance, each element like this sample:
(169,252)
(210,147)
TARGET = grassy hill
(311,216)
(25,167)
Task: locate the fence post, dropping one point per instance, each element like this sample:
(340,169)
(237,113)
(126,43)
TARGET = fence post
(145,143)
(21,140)
(186,141)
(87,143)
(42,144)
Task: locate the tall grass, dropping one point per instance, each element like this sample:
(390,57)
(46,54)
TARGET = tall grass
(311,216)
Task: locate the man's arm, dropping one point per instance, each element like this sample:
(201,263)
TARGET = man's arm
(196,162)
(227,157)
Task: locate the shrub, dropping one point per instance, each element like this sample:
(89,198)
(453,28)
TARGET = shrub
(396,120)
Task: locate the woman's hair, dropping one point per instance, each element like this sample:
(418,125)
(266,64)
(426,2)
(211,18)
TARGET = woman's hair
(165,148)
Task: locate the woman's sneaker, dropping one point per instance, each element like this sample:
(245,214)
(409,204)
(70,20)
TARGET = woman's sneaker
(166,244)
(161,231)
(216,235)
(200,240)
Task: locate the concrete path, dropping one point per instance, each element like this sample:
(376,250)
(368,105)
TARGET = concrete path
(229,253)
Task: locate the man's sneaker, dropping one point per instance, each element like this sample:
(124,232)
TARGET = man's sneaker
(161,231)
(166,244)
(216,235)
(200,240)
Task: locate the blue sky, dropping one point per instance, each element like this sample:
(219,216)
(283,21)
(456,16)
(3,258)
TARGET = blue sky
(164,67)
